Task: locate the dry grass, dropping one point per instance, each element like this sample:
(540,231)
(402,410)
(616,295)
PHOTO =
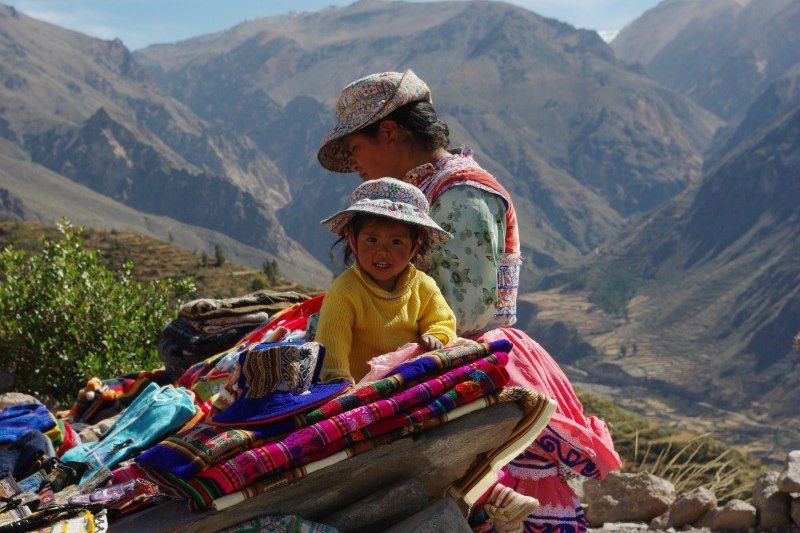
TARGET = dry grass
(685,458)
(152,259)
(689,466)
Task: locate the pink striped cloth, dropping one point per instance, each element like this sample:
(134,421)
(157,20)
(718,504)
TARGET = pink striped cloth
(243,469)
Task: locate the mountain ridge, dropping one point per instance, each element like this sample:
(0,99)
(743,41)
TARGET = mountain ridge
(560,107)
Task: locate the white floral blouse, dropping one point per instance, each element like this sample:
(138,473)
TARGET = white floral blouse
(465,267)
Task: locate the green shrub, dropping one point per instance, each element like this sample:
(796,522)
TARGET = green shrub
(612,293)
(65,317)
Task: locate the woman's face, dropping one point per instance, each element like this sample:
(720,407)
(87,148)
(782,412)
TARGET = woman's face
(373,156)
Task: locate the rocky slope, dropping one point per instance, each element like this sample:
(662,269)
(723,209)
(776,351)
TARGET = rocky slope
(582,141)
(29,191)
(84,108)
(717,277)
(721,53)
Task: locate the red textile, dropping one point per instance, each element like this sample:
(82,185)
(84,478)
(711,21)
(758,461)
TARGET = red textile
(530,366)
(467,171)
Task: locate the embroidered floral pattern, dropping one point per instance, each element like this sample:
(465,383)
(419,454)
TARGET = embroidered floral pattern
(394,199)
(364,102)
(478,276)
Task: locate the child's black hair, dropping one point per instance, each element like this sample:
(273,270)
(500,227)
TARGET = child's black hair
(355,225)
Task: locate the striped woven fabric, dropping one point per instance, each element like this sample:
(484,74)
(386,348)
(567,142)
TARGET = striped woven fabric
(356,448)
(397,416)
(187,453)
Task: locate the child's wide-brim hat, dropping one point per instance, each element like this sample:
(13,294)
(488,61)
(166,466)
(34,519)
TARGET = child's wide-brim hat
(276,381)
(364,102)
(393,199)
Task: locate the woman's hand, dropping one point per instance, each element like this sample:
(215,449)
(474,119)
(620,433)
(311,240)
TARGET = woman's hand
(431,343)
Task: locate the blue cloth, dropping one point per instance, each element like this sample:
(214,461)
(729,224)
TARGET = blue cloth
(17,420)
(154,414)
(19,458)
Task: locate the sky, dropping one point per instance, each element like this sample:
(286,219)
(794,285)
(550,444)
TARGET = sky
(139,23)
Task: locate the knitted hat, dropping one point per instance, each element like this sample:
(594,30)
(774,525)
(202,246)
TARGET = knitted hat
(364,102)
(394,199)
(277,380)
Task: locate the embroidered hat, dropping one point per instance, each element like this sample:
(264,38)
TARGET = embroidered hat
(364,102)
(390,198)
(277,380)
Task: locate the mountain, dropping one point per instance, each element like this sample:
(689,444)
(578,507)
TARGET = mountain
(84,108)
(721,53)
(778,99)
(582,141)
(29,191)
(717,303)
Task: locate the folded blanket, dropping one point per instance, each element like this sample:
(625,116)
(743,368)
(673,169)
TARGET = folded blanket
(243,469)
(229,321)
(187,453)
(26,455)
(382,418)
(266,301)
(185,337)
(17,420)
(353,449)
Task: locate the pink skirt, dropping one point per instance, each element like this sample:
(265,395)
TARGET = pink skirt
(572,444)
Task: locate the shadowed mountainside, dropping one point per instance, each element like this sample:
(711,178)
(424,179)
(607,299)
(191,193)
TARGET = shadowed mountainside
(717,304)
(84,108)
(581,141)
(721,53)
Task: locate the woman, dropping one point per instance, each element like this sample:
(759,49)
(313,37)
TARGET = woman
(387,126)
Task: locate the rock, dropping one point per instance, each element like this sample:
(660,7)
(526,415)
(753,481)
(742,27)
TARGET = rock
(381,509)
(707,520)
(16,398)
(796,511)
(576,484)
(443,515)
(627,498)
(789,480)
(691,506)
(621,527)
(660,522)
(736,514)
(772,505)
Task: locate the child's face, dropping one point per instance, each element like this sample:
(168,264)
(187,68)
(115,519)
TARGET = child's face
(383,249)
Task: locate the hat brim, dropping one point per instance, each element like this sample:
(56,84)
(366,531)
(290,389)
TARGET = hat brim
(334,154)
(435,236)
(277,406)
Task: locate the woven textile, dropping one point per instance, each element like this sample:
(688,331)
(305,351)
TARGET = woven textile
(17,420)
(359,447)
(246,467)
(259,301)
(328,437)
(114,394)
(481,378)
(187,453)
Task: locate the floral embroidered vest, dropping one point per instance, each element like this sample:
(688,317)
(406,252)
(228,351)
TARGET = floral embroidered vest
(460,169)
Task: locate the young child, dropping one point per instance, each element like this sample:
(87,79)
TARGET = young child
(382,301)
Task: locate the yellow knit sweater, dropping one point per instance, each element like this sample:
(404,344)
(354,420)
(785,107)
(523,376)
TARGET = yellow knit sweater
(359,320)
